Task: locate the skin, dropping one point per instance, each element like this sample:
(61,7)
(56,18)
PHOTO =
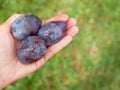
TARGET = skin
(10,68)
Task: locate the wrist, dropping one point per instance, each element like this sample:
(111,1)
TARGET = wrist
(6,77)
(4,83)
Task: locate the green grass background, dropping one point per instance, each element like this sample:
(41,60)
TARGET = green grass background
(91,61)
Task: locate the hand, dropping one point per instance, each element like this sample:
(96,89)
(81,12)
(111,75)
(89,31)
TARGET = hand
(10,68)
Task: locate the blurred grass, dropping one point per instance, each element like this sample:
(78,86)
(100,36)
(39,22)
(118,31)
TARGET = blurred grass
(91,61)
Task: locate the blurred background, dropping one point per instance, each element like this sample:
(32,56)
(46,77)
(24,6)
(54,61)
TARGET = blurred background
(91,61)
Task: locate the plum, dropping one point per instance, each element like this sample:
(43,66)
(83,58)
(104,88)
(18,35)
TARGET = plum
(31,49)
(25,25)
(52,32)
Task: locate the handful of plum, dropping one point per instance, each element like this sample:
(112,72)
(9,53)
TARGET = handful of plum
(35,37)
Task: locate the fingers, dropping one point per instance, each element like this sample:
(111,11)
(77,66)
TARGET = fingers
(11,20)
(71,26)
(61,17)
(71,22)
(72,31)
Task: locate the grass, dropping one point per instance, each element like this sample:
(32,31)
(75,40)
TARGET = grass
(91,61)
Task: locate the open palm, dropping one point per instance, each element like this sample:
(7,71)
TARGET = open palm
(10,68)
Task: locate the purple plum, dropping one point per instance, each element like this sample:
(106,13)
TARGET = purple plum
(25,25)
(52,32)
(31,49)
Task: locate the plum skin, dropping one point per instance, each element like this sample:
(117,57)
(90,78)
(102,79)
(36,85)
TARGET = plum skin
(25,25)
(31,49)
(52,32)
